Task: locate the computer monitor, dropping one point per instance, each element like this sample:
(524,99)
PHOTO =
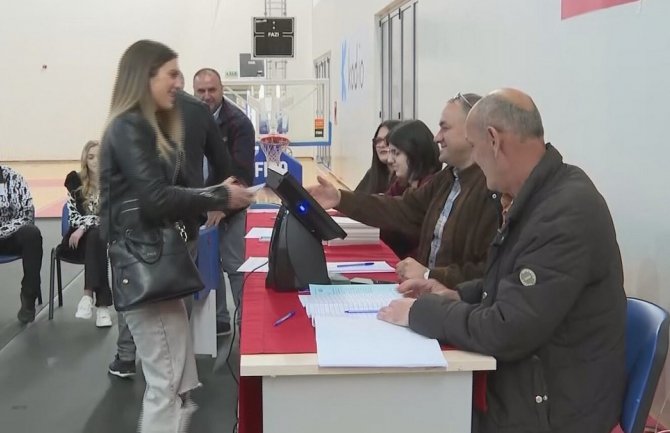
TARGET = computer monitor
(296,257)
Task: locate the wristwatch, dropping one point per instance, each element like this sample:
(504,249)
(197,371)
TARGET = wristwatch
(426,274)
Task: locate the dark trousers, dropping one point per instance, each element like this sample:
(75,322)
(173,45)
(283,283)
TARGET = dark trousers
(93,253)
(27,243)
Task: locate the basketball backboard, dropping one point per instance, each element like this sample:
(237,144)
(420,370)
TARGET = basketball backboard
(297,109)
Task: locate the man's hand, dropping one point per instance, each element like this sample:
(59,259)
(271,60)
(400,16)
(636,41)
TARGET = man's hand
(214,217)
(75,237)
(416,287)
(238,197)
(325,193)
(397,312)
(410,268)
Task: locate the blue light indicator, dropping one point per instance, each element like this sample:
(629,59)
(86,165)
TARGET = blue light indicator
(302,207)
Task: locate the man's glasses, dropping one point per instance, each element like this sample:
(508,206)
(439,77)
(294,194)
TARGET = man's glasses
(463,98)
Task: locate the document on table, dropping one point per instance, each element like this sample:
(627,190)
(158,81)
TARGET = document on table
(368,342)
(262,233)
(340,267)
(359,267)
(347,300)
(254,264)
(353,289)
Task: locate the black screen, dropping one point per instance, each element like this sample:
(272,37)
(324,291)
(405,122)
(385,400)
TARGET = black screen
(303,207)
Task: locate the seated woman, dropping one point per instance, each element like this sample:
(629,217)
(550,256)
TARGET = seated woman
(378,176)
(83,242)
(414,158)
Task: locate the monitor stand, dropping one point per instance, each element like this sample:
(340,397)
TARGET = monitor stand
(296,257)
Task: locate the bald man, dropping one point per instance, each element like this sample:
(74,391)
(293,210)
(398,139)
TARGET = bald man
(551,308)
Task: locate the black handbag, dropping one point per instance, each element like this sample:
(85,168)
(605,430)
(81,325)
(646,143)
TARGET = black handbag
(152,264)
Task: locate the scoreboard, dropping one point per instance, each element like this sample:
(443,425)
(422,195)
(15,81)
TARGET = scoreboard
(273,37)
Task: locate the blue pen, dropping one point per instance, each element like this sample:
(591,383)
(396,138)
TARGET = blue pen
(361,311)
(351,265)
(284,318)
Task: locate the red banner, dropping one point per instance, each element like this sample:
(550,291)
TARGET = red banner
(571,8)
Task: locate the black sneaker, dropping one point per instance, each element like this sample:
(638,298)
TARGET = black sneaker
(122,369)
(223,328)
(27,312)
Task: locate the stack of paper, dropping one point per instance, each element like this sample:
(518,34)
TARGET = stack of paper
(352,300)
(369,342)
(357,233)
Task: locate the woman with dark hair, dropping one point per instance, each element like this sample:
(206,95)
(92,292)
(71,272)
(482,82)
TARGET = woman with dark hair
(414,158)
(378,176)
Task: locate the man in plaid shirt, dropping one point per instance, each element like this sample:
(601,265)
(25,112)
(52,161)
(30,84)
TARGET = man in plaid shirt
(19,236)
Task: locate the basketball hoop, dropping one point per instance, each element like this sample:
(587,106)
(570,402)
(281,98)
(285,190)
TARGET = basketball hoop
(273,146)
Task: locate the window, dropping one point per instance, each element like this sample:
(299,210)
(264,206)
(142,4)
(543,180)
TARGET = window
(398,63)
(322,70)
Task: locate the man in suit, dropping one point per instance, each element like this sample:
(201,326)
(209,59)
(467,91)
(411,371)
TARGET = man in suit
(239,138)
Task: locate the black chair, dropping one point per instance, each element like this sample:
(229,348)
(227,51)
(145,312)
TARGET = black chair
(56,258)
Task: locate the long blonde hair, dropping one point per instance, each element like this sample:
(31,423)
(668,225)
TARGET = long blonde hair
(86,188)
(139,63)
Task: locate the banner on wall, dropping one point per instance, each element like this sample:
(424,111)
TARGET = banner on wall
(571,8)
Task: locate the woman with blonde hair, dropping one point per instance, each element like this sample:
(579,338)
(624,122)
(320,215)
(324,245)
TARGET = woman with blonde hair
(142,153)
(82,242)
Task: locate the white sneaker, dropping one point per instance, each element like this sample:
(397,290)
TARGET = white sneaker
(85,308)
(102,318)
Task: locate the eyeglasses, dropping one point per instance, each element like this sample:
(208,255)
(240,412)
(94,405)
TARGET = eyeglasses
(379,140)
(463,98)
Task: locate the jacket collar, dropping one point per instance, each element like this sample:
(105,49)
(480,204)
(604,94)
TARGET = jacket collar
(467,175)
(218,114)
(551,161)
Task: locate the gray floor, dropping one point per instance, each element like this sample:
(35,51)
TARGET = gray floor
(53,373)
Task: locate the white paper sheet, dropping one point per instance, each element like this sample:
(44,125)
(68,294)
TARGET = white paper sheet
(262,233)
(254,189)
(254,264)
(352,267)
(368,342)
(359,267)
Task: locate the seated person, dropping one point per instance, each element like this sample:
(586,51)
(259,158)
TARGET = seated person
(378,177)
(414,158)
(19,236)
(551,307)
(453,217)
(83,242)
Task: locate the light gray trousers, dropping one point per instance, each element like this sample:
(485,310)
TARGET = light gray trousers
(164,346)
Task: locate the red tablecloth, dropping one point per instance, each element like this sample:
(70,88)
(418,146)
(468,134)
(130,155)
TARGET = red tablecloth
(262,307)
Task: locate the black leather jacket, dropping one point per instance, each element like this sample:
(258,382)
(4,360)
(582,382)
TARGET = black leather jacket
(137,183)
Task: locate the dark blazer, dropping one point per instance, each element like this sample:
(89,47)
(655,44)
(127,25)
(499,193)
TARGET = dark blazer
(240,137)
(202,139)
(551,309)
